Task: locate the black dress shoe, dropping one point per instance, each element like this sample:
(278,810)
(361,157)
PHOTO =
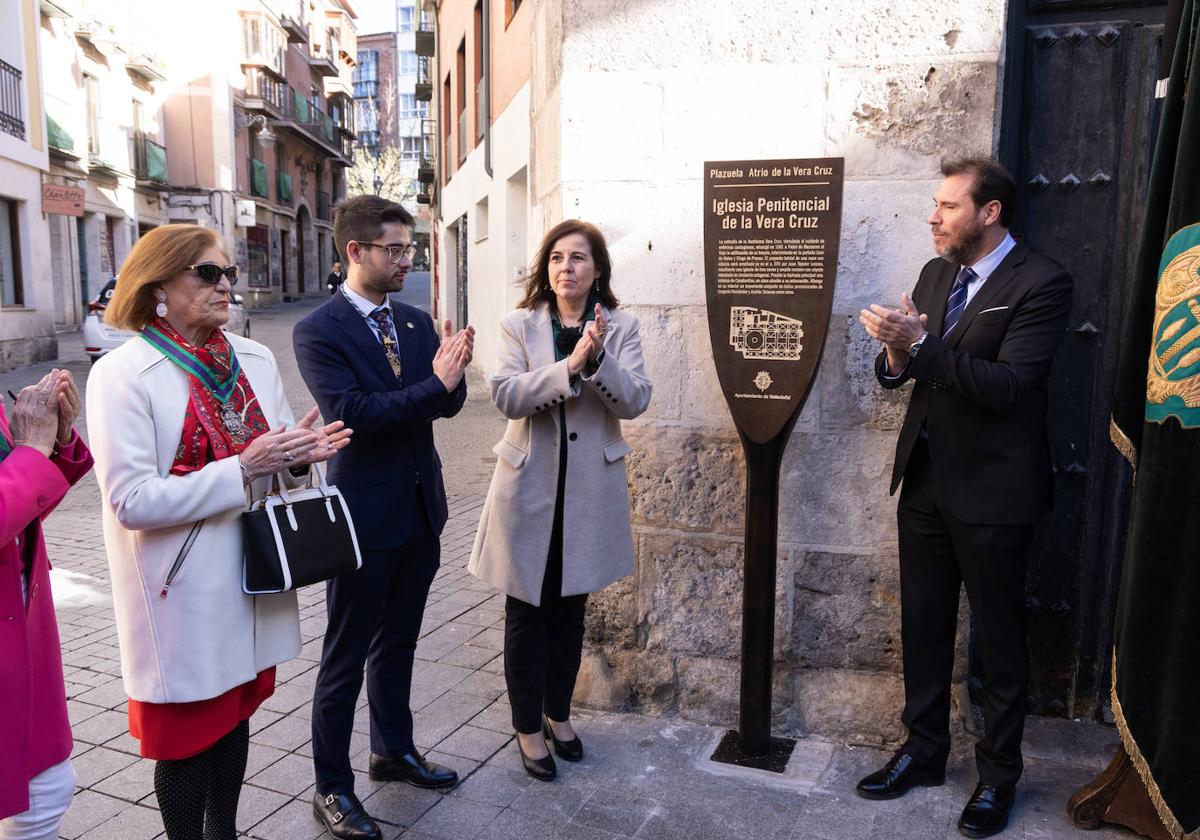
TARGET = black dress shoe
(987,810)
(411,768)
(345,817)
(902,773)
(542,769)
(566,750)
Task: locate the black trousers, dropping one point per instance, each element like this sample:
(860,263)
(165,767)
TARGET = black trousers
(938,555)
(543,645)
(374,618)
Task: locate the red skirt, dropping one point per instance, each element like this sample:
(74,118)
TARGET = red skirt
(169,731)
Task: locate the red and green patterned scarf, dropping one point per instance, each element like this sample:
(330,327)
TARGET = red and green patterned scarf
(223,415)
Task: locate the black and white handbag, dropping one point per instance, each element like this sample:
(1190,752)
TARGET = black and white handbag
(297,537)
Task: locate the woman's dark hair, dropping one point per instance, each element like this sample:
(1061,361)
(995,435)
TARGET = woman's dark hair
(991,183)
(537,280)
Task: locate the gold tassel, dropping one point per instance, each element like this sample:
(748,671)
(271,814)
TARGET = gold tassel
(1123,444)
(1170,823)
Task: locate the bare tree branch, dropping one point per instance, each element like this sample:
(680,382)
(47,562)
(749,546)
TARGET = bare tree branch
(384,171)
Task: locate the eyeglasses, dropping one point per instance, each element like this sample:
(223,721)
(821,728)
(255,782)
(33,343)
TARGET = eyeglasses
(211,273)
(395,252)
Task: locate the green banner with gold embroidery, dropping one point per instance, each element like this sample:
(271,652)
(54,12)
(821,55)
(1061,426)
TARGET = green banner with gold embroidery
(1156,425)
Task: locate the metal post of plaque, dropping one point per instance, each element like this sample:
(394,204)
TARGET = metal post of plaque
(771,233)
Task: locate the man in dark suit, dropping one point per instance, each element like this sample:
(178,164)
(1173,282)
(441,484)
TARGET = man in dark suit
(379,365)
(336,277)
(977,338)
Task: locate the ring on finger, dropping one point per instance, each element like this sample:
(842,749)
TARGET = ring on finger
(288,456)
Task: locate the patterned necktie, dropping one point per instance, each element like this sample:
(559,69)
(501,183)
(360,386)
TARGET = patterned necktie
(957,302)
(382,316)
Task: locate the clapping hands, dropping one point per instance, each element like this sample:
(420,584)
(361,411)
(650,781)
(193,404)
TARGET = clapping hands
(590,345)
(282,447)
(453,355)
(45,413)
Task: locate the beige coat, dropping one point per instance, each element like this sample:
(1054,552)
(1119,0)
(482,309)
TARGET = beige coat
(207,636)
(528,385)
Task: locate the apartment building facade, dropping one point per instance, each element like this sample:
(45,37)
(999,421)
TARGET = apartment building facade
(391,119)
(104,87)
(106,137)
(479,74)
(26,287)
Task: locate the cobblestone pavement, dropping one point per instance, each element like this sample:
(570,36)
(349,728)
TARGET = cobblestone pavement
(643,777)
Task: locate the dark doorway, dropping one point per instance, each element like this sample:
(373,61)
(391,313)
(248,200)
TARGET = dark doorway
(305,252)
(461,278)
(1077,121)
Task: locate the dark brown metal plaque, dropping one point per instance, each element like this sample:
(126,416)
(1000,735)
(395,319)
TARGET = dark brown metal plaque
(771,233)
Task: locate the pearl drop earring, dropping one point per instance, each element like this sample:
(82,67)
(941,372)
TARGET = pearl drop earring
(161,309)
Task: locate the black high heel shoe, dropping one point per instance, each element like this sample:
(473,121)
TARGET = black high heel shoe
(566,750)
(542,769)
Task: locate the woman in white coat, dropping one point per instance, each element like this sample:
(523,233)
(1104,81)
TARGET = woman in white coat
(184,419)
(555,525)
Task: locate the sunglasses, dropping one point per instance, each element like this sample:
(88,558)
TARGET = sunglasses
(211,273)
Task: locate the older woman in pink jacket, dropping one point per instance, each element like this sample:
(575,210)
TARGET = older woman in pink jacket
(41,456)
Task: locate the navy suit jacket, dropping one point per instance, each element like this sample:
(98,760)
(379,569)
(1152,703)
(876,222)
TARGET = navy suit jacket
(982,393)
(391,465)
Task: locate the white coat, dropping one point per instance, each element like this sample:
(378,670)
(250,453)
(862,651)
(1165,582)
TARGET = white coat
(528,385)
(206,636)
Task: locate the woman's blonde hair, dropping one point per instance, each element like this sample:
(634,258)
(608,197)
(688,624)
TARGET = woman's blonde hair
(158,256)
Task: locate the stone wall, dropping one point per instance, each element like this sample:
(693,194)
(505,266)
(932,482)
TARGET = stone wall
(629,100)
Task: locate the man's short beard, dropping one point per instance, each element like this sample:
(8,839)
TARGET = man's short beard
(965,252)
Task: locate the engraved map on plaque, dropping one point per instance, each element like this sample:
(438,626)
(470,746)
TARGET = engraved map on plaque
(771,234)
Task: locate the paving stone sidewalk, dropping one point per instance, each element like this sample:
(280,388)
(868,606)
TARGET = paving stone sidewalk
(643,777)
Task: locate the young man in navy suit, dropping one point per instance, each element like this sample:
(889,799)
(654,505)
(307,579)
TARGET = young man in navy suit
(379,365)
(977,339)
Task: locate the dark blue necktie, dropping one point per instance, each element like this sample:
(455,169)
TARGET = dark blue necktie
(957,302)
(383,319)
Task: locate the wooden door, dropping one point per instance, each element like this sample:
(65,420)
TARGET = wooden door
(1076,127)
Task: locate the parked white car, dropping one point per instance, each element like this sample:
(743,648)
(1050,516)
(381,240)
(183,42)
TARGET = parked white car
(99,337)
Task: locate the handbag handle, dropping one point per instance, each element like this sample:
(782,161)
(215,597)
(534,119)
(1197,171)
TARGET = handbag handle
(313,469)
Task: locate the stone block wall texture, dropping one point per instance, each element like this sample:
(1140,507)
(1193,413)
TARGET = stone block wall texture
(628,101)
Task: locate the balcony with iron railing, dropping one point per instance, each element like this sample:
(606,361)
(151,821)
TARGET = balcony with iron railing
(150,160)
(263,93)
(423,89)
(294,21)
(341,111)
(12,119)
(108,148)
(322,57)
(424,43)
(427,162)
(302,116)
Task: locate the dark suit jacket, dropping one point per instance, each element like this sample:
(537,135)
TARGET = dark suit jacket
(982,392)
(392,449)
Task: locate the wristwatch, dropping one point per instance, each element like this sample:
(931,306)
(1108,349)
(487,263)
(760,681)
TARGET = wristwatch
(916,345)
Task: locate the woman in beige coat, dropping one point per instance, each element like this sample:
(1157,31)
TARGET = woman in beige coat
(555,525)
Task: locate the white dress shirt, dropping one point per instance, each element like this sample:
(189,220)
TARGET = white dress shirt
(983,269)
